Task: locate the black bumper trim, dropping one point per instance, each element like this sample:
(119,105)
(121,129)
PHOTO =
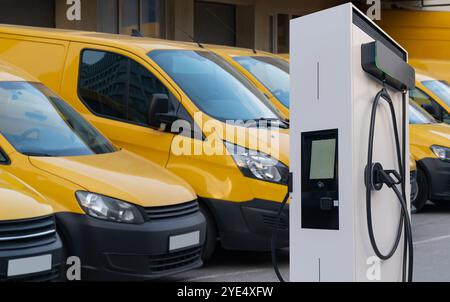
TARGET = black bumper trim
(55,274)
(123,252)
(248,226)
(438,173)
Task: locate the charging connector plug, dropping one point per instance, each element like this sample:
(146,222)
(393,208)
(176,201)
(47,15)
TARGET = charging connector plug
(376,177)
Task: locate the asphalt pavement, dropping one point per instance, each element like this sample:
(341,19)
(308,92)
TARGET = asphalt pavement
(431,232)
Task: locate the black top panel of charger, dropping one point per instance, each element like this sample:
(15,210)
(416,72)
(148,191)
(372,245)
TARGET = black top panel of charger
(377,34)
(384,59)
(383,64)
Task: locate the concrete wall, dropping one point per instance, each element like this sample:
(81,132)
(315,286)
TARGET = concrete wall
(88,16)
(245,26)
(253,17)
(182,24)
(108,16)
(18,12)
(265,8)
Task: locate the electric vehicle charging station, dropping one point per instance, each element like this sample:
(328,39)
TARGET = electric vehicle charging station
(349,214)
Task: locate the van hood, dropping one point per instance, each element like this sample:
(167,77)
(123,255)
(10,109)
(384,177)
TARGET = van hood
(20,201)
(121,175)
(431,134)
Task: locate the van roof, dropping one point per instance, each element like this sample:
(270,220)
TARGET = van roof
(10,73)
(422,77)
(138,43)
(237,51)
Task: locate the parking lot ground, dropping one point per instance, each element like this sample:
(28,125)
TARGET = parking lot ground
(230,266)
(431,231)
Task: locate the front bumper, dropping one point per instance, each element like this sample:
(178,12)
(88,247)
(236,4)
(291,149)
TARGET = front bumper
(249,226)
(54,249)
(123,252)
(438,172)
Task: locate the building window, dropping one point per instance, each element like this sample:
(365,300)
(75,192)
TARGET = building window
(147,16)
(129,16)
(153,18)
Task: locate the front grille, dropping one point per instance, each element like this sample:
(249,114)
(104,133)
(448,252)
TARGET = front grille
(173,261)
(53,275)
(175,211)
(21,234)
(272,221)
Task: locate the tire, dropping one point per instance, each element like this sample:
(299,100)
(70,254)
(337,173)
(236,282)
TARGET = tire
(211,235)
(423,195)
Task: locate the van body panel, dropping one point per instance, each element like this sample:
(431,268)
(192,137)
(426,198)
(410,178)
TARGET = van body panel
(122,175)
(19,200)
(44,62)
(425,136)
(58,192)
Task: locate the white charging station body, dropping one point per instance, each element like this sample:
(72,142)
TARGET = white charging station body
(330,91)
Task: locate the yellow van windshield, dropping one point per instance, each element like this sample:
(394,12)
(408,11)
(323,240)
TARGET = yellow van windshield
(38,123)
(440,88)
(273,73)
(214,86)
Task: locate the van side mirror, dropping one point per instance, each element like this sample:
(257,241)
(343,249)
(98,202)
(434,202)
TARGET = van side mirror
(158,112)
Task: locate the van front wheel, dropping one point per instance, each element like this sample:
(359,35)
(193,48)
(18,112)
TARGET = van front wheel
(211,235)
(423,195)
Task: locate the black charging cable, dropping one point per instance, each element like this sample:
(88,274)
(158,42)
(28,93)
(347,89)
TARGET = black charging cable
(274,241)
(376,177)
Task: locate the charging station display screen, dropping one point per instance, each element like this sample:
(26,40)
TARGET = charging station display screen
(323,159)
(320,183)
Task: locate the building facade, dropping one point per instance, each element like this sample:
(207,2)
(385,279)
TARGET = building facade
(259,24)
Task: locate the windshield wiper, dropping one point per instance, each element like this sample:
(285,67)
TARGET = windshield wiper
(37,154)
(282,124)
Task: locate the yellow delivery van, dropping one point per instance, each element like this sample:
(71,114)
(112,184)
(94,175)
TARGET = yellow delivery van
(170,102)
(430,148)
(123,216)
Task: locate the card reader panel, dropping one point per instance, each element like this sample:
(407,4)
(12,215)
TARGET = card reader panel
(320,186)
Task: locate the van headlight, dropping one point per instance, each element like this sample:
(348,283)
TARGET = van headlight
(441,152)
(255,164)
(106,208)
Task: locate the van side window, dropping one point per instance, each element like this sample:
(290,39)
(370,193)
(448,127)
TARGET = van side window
(427,103)
(142,87)
(117,87)
(3,158)
(103,83)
